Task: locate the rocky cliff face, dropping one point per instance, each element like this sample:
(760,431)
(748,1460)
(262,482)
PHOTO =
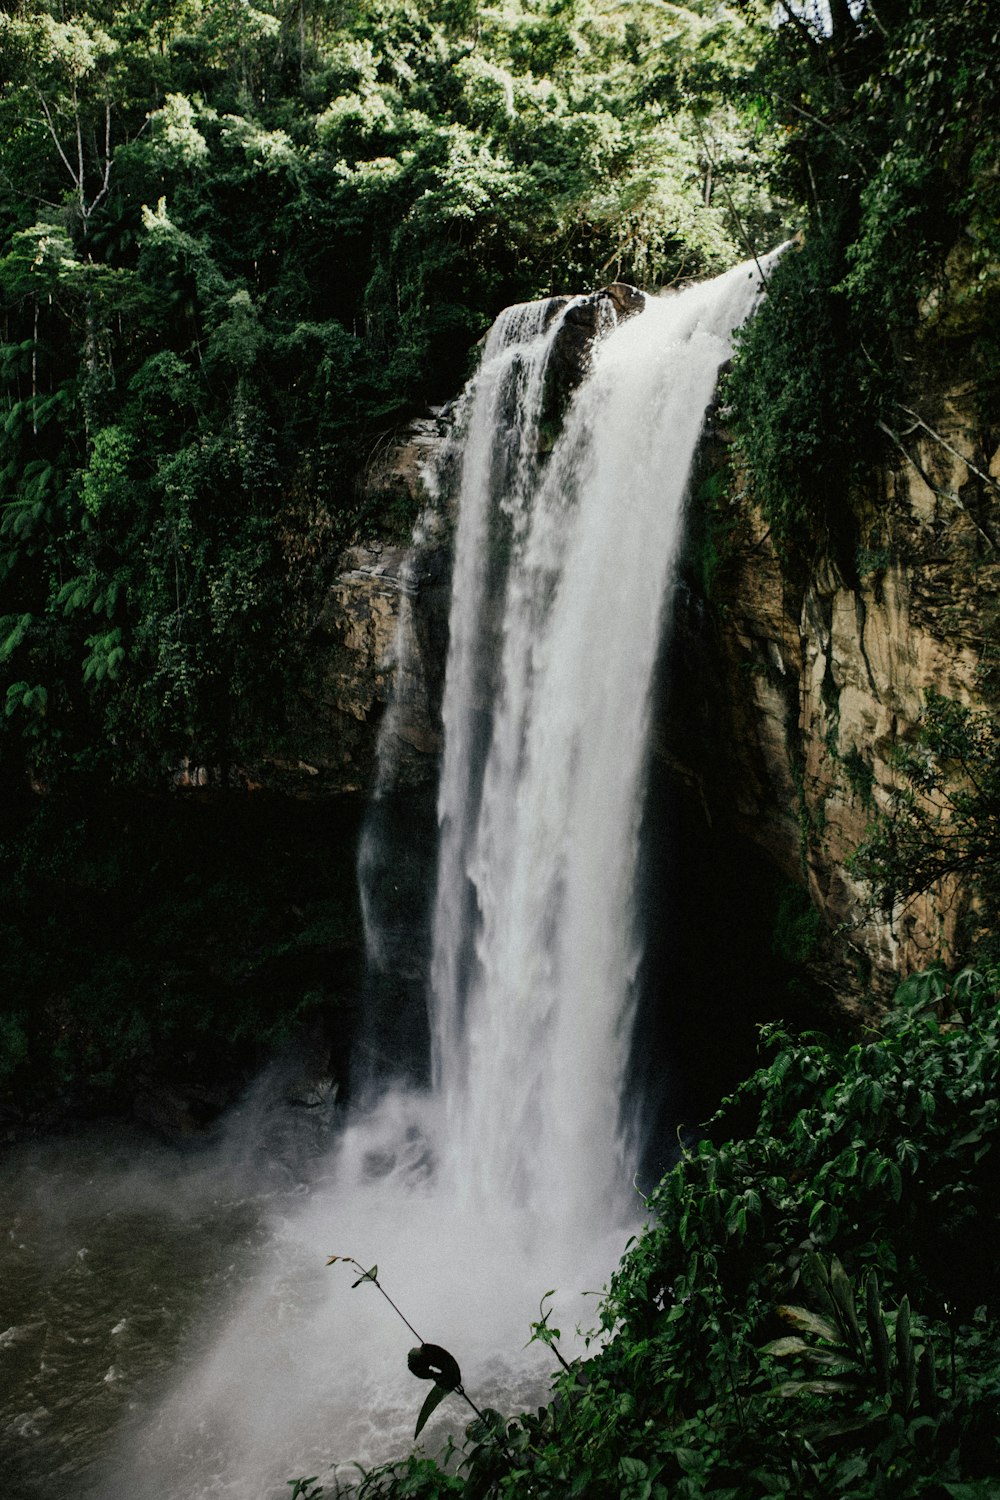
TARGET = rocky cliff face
(825,675)
(384,621)
(337,705)
(789,692)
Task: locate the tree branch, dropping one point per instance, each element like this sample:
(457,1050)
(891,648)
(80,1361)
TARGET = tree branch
(871,11)
(799,24)
(102,191)
(55,137)
(823,125)
(842,23)
(945,444)
(79,157)
(936,489)
(740,230)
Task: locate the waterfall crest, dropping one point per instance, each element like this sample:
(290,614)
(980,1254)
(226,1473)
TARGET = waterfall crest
(513,1171)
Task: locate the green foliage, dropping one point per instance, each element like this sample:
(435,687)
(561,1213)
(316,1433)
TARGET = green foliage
(810,1311)
(942,822)
(797,385)
(798,927)
(860,775)
(151,942)
(710,523)
(13,1045)
(890,118)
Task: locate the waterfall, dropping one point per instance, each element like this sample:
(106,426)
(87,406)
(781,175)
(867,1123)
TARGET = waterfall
(562,584)
(562,579)
(512,1172)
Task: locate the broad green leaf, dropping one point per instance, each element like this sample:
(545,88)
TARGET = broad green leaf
(435,1396)
(843,1294)
(812,1388)
(809,1322)
(783,1347)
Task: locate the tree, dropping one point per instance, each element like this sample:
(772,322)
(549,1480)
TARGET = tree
(889,140)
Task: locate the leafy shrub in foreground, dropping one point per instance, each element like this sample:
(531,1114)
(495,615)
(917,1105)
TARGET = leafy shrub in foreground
(859,1210)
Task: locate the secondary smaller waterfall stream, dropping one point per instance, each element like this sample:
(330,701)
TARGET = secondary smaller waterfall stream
(512,1172)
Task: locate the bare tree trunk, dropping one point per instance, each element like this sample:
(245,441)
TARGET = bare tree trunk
(302,42)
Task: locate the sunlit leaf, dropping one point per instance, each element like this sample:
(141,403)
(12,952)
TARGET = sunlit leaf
(812,1388)
(809,1322)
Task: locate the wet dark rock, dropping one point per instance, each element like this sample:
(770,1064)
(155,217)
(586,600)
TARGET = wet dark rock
(174,1114)
(570,356)
(311,1093)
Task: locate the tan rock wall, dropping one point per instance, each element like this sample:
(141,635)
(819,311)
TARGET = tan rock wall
(337,705)
(829,675)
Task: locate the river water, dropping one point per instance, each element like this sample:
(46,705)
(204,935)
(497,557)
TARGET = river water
(119,1257)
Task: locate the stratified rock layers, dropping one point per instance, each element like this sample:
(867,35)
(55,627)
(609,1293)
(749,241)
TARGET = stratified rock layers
(825,676)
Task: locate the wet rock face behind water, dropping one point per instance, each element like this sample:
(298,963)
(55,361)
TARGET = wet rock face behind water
(347,689)
(570,354)
(337,708)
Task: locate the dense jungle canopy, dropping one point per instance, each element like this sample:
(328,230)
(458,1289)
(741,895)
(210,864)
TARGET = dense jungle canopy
(239,243)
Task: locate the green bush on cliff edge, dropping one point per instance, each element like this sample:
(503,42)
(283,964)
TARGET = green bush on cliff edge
(890,137)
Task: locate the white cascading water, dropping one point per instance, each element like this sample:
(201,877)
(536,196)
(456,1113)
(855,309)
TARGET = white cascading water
(512,1173)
